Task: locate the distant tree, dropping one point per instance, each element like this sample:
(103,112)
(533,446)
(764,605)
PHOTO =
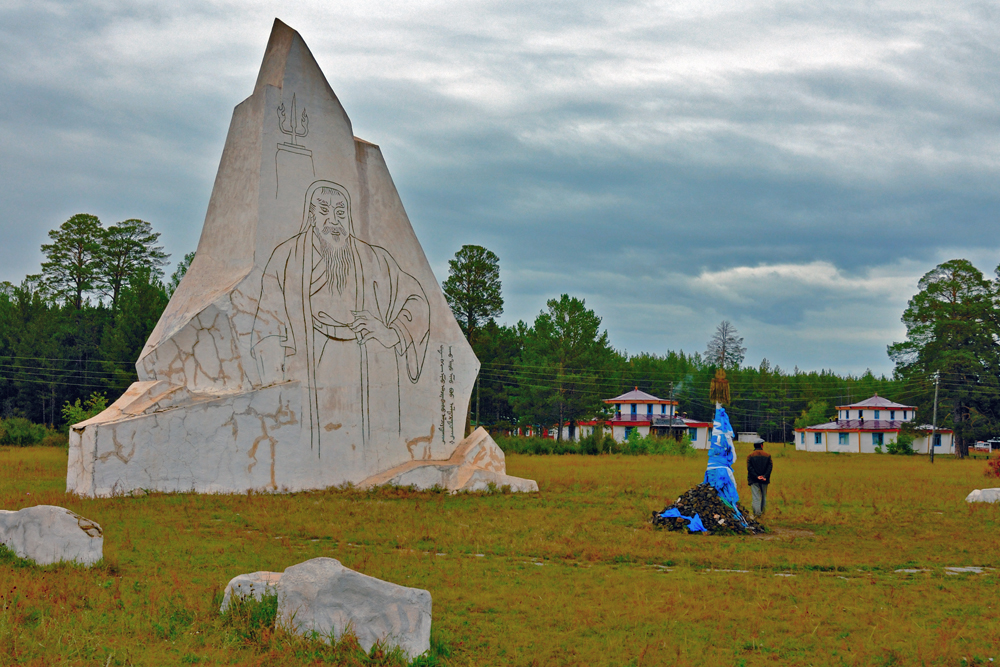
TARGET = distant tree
(498,349)
(951,328)
(818,412)
(563,373)
(142,302)
(179,272)
(71,265)
(725,348)
(473,287)
(128,247)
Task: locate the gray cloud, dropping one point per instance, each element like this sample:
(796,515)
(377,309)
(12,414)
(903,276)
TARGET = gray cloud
(628,152)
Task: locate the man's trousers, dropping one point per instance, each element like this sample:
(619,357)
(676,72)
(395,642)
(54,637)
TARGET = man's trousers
(758,493)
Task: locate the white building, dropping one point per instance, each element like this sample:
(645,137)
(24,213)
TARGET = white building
(874,422)
(637,410)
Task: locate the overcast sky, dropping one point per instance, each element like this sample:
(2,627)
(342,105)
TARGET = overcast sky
(792,167)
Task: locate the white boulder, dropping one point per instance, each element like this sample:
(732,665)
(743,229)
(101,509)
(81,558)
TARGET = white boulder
(984,496)
(323,596)
(254,585)
(48,534)
(476,463)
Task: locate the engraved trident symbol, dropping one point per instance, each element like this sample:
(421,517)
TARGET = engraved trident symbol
(296,123)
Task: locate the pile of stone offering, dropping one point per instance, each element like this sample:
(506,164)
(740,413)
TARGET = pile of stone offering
(717,517)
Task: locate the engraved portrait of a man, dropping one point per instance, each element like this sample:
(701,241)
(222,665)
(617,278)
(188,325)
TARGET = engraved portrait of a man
(342,316)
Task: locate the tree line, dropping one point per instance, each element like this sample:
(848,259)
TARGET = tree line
(78,326)
(561,367)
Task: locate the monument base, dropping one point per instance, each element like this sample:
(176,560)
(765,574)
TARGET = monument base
(477,463)
(159,437)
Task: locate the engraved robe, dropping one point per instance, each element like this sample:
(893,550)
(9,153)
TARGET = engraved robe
(351,386)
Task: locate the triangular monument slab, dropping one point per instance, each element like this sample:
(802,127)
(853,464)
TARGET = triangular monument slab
(309,344)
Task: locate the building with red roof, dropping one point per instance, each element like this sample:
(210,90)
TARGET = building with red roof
(637,410)
(870,425)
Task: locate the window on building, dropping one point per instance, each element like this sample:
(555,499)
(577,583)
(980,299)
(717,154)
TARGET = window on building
(937,439)
(877,439)
(663,409)
(892,414)
(693,434)
(649,408)
(633,409)
(861,414)
(904,414)
(876,414)
(842,439)
(802,437)
(628,431)
(818,438)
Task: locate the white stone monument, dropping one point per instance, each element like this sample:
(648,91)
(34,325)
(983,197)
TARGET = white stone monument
(309,343)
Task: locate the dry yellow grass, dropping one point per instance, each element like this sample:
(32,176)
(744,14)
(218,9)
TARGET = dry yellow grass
(570,576)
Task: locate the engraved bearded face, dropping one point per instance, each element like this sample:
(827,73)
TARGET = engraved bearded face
(329,213)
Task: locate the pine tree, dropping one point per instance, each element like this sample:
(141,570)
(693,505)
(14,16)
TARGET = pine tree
(473,287)
(564,369)
(725,348)
(72,261)
(128,248)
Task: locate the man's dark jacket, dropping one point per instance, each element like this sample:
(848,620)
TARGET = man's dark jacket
(758,464)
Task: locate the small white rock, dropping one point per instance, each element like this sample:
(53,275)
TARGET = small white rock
(48,534)
(254,585)
(983,496)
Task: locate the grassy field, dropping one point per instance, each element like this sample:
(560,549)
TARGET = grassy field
(573,575)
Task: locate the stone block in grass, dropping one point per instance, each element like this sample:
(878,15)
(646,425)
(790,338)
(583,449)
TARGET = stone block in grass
(48,534)
(983,496)
(322,596)
(324,599)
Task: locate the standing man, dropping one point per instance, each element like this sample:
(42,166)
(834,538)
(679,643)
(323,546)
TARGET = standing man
(758,476)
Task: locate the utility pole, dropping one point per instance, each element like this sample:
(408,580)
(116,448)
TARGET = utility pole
(670,429)
(937,379)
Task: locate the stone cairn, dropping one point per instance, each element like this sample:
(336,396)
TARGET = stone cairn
(716,514)
(717,517)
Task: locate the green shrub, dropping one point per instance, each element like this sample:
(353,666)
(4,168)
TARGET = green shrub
(21,432)
(682,447)
(535,445)
(637,444)
(54,438)
(597,443)
(903,445)
(74,413)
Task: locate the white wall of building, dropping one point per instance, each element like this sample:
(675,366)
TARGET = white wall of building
(702,435)
(862,442)
(659,409)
